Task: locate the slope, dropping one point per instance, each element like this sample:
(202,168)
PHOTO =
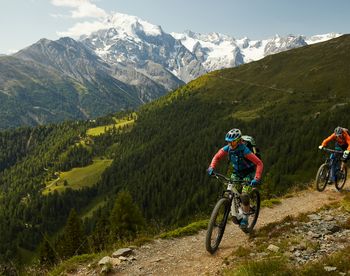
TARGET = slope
(289,102)
(187,255)
(32,94)
(53,81)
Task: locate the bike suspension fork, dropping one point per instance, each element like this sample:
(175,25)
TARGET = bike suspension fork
(235,207)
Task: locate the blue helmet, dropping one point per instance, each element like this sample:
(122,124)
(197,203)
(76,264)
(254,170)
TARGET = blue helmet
(233,135)
(338,131)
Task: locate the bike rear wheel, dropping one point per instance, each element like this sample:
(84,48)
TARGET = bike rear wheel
(254,202)
(322,177)
(217,224)
(341,178)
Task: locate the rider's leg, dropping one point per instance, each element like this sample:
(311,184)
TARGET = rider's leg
(343,161)
(245,193)
(245,200)
(343,165)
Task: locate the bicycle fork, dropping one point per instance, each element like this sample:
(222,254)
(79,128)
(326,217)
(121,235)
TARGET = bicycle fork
(236,210)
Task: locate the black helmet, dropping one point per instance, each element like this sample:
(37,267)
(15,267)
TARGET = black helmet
(338,131)
(233,135)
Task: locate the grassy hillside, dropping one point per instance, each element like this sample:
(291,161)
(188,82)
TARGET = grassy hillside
(78,178)
(119,123)
(289,102)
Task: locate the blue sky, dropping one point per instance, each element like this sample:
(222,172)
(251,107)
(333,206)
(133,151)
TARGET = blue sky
(23,22)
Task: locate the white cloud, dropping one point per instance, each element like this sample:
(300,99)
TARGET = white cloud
(57,15)
(81,8)
(69,3)
(88,10)
(11,51)
(82,28)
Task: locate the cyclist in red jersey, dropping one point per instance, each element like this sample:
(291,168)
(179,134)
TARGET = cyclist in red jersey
(246,165)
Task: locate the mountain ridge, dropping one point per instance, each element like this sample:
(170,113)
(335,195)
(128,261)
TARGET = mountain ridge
(88,87)
(222,51)
(125,64)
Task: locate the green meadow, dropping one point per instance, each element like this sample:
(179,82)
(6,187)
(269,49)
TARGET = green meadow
(120,123)
(78,178)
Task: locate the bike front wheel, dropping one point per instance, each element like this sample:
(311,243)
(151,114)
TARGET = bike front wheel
(217,224)
(341,178)
(322,177)
(254,202)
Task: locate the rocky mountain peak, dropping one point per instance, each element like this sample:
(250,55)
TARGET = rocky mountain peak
(280,44)
(129,25)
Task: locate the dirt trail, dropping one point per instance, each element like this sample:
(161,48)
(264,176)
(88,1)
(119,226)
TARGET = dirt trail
(187,256)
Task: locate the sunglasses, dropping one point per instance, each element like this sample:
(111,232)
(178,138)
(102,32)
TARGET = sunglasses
(235,142)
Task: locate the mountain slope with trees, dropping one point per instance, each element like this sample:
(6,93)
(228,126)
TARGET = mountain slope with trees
(53,81)
(289,102)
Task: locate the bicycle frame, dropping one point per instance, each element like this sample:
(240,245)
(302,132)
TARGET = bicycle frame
(332,162)
(230,203)
(232,193)
(331,171)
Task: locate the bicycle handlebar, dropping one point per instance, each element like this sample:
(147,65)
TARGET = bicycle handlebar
(332,150)
(219,175)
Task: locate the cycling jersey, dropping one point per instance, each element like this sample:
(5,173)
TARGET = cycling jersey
(343,140)
(242,159)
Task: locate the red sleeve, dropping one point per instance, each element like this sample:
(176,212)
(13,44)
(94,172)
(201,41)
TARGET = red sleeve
(217,157)
(259,164)
(347,139)
(328,139)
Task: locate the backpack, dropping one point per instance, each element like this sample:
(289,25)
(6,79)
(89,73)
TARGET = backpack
(250,143)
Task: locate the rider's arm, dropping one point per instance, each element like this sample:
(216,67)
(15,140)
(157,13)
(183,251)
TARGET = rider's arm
(259,165)
(328,139)
(347,139)
(217,157)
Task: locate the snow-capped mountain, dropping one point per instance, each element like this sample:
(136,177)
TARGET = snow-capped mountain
(218,51)
(169,59)
(131,41)
(320,38)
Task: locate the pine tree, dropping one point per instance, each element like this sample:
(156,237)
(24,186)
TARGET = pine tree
(125,219)
(47,255)
(99,237)
(73,240)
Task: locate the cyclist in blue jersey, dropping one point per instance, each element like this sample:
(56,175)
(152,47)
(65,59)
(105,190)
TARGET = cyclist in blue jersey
(245,165)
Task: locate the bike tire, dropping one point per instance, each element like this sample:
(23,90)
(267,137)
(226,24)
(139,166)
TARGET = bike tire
(341,179)
(254,203)
(217,224)
(322,177)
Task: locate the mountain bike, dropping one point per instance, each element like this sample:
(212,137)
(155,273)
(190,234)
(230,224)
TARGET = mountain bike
(229,205)
(323,176)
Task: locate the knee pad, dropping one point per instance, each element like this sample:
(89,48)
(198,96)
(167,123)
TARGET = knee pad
(245,199)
